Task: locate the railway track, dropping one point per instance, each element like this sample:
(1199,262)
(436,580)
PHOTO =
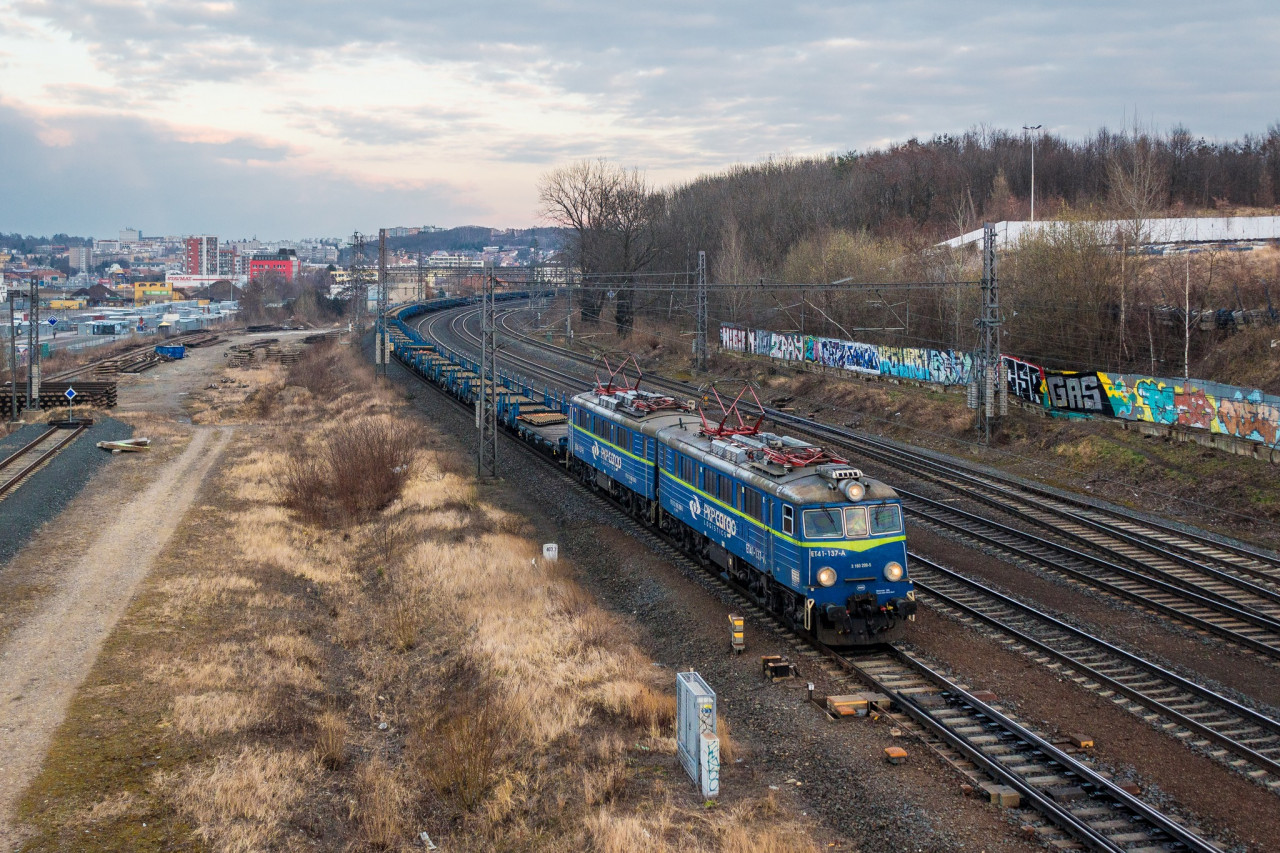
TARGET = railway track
(16,468)
(1134,559)
(1245,740)
(1077,805)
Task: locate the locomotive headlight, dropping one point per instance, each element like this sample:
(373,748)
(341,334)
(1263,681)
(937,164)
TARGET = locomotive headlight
(893,571)
(827,576)
(854,490)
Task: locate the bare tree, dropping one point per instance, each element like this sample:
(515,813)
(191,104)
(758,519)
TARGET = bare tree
(1137,190)
(611,212)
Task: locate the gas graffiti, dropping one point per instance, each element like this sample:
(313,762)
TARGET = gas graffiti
(1073,391)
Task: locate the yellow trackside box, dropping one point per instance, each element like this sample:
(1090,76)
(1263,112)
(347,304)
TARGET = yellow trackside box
(737,637)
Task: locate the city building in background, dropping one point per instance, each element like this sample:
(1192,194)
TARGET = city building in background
(201,255)
(282,263)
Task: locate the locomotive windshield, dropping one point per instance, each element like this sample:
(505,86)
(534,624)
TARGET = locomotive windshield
(885,518)
(855,521)
(822,523)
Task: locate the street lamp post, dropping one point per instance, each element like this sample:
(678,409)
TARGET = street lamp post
(1033,168)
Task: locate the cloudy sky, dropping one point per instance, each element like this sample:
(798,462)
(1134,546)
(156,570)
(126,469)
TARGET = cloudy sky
(286,119)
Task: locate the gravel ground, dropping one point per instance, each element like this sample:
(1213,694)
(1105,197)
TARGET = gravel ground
(833,772)
(43,497)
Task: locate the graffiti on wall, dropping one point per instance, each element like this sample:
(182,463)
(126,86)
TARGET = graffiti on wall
(946,367)
(1025,380)
(1241,412)
(733,339)
(788,347)
(845,355)
(1073,391)
(1224,409)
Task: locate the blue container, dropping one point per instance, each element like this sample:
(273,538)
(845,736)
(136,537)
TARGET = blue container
(175,351)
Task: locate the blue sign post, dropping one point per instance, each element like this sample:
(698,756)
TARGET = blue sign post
(53,324)
(71,395)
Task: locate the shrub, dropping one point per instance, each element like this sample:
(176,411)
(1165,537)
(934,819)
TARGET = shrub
(462,738)
(324,369)
(360,467)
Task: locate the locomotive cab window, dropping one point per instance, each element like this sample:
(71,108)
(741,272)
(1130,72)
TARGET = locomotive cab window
(855,521)
(885,518)
(822,523)
(788,519)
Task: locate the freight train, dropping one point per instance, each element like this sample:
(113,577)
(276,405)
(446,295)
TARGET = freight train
(807,535)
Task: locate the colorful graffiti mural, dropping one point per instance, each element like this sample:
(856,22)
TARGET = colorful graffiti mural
(945,367)
(1225,409)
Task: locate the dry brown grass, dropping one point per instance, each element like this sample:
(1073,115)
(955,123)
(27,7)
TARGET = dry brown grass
(217,712)
(375,658)
(332,733)
(381,805)
(242,801)
(461,738)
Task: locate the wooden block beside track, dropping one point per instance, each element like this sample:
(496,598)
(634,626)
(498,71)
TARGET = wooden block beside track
(1082,741)
(895,754)
(850,705)
(1002,795)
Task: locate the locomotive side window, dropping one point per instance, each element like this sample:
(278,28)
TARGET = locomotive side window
(686,470)
(885,518)
(788,519)
(753,504)
(855,521)
(822,524)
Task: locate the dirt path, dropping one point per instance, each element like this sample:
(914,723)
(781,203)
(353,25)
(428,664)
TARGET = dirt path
(46,659)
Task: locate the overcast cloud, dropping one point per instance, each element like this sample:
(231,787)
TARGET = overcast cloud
(291,119)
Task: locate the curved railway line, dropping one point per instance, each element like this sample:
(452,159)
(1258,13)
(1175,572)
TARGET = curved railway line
(1078,803)
(1232,732)
(1219,588)
(22,463)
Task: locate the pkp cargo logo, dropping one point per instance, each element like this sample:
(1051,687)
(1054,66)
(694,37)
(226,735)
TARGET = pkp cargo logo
(607,456)
(695,506)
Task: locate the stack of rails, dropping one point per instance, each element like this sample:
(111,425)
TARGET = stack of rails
(239,355)
(53,395)
(196,340)
(129,362)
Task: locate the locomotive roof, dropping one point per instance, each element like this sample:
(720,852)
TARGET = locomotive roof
(803,485)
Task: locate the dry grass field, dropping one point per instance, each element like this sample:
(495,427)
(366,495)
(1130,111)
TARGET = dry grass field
(350,644)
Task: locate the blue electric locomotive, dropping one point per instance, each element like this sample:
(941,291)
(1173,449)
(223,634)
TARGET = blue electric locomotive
(809,536)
